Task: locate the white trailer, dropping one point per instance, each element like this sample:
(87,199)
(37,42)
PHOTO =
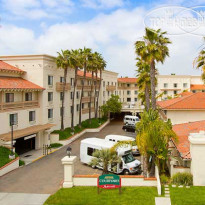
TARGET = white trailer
(128,164)
(118,138)
(130,119)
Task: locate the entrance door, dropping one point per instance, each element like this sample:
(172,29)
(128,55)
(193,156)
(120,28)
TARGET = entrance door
(22,145)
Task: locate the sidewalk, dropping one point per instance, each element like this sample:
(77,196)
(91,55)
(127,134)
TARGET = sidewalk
(162,201)
(22,199)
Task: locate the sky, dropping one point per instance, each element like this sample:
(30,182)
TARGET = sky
(110,27)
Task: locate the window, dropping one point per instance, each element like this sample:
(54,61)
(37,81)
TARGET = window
(83,106)
(28,96)
(77,107)
(89,104)
(165,92)
(185,85)
(103,83)
(13,119)
(50,80)
(32,116)
(128,99)
(112,83)
(128,92)
(135,99)
(103,93)
(71,109)
(89,93)
(72,81)
(61,95)
(128,85)
(71,95)
(82,82)
(135,85)
(90,151)
(50,96)
(175,85)
(62,79)
(103,102)
(50,113)
(115,92)
(77,95)
(165,85)
(9,97)
(175,92)
(136,92)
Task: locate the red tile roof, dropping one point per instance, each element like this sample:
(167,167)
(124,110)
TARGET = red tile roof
(185,93)
(88,75)
(12,83)
(195,101)
(127,80)
(182,131)
(9,68)
(197,87)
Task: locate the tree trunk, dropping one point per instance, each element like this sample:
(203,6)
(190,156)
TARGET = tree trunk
(82,90)
(98,94)
(91,92)
(152,79)
(152,170)
(95,92)
(147,98)
(96,80)
(63,99)
(73,99)
(145,167)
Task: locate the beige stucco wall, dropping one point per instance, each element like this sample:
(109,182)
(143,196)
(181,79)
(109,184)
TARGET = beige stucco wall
(184,116)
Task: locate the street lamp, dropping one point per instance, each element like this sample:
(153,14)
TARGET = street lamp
(69,151)
(12,156)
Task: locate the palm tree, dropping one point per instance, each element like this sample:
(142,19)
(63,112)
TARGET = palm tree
(85,57)
(75,64)
(143,81)
(152,49)
(199,63)
(103,158)
(62,61)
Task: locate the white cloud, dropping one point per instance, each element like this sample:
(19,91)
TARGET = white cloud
(96,4)
(113,35)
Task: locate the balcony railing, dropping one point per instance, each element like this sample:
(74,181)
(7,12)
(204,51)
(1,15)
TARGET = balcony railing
(110,87)
(86,87)
(86,110)
(59,86)
(87,99)
(18,105)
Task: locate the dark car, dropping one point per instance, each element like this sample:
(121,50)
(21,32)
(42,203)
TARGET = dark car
(129,128)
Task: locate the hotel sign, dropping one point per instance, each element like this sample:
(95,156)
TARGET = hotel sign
(109,181)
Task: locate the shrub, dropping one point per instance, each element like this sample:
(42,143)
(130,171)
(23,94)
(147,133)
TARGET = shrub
(182,179)
(21,163)
(55,145)
(164,179)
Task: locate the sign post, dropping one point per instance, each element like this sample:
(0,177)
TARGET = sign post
(109,181)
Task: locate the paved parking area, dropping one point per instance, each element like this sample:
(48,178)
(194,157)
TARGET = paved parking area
(45,175)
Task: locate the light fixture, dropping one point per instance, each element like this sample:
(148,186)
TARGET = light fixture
(68,150)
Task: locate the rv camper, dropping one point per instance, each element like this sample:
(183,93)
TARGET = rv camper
(128,164)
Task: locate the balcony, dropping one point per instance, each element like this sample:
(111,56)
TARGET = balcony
(86,87)
(18,105)
(86,110)
(87,99)
(59,86)
(110,87)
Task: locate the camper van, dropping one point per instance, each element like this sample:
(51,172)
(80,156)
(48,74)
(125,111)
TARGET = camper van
(118,138)
(131,120)
(128,164)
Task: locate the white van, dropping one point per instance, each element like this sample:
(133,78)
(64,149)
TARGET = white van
(118,138)
(131,120)
(128,163)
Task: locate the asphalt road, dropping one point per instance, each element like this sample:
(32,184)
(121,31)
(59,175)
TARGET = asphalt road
(45,175)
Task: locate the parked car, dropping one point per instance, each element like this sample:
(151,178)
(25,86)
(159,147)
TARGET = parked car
(129,128)
(131,120)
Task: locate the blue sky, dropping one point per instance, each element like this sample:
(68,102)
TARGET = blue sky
(107,26)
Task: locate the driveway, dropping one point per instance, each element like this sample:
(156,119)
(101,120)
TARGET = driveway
(45,175)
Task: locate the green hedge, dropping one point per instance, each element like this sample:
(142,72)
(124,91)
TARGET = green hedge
(182,179)
(4,156)
(95,123)
(55,145)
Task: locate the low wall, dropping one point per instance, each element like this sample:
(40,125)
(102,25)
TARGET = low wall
(176,169)
(14,164)
(159,188)
(54,138)
(130,180)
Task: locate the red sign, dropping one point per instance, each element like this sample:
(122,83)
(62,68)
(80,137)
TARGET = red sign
(109,181)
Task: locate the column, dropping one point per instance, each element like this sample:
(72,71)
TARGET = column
(68,163)
(197,151)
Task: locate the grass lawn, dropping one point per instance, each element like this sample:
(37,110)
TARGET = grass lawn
(85,124)
(187,196)
(89,196)
(4,156)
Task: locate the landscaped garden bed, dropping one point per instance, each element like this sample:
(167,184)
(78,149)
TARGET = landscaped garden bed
(95,123)
(89,196)
(4,156)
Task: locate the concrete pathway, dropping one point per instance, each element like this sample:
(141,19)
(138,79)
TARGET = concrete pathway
(22,199)
(162,201)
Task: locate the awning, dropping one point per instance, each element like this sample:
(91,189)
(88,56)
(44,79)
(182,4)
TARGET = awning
(24,132)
